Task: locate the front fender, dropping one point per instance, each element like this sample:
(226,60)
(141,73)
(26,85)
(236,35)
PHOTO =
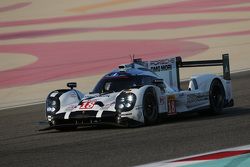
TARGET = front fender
(64,99)
(137,112)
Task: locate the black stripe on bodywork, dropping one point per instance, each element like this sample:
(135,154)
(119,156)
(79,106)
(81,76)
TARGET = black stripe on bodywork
(60,92)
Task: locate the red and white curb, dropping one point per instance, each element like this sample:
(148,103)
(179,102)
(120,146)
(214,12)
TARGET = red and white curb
(200,158)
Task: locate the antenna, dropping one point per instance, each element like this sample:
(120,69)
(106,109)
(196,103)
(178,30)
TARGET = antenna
(132,57)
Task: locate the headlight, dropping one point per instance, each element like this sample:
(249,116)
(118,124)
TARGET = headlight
(52,105)
(125,102)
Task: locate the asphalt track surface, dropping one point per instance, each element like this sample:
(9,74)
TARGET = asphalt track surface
(21,144)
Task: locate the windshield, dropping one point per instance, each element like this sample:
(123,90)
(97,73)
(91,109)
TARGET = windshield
(117,84)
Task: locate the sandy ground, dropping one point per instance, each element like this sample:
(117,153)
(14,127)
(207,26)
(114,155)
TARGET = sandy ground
(221,27)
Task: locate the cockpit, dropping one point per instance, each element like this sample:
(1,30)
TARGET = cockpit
(110,84)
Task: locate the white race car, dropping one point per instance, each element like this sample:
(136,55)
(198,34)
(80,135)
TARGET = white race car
(139,93)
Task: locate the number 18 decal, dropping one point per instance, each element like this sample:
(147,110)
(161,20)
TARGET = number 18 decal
(87,104)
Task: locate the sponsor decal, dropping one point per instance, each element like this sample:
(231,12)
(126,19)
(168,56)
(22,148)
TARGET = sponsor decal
(171,102)
(162,62)
(196,99)
(161,68)
(70,107)
(107,106)
(73,94)
(126,114)
(161,65)
(87,104)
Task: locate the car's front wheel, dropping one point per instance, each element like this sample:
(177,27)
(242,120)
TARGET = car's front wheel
(150,107)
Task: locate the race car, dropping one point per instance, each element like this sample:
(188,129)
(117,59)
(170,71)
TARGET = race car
(139,93)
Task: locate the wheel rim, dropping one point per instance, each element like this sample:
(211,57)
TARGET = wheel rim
(217,97)
(150,106)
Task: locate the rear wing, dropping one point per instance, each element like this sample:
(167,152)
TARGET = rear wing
(205,63)
(168,69)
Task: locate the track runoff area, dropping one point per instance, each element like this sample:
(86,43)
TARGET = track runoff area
(232,157)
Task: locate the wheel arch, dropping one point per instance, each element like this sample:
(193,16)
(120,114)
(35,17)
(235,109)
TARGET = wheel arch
(216,106)
(63,98)
(140,97)
(204,81)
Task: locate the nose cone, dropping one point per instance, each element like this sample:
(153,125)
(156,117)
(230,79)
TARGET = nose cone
(98,102)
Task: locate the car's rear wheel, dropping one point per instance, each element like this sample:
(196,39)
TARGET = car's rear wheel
(150,107)
(216,96)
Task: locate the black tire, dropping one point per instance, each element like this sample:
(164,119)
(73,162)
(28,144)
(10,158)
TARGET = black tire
(150,107)
(216,96)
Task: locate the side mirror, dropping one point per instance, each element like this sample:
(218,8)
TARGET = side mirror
(158,81)
(72,85)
